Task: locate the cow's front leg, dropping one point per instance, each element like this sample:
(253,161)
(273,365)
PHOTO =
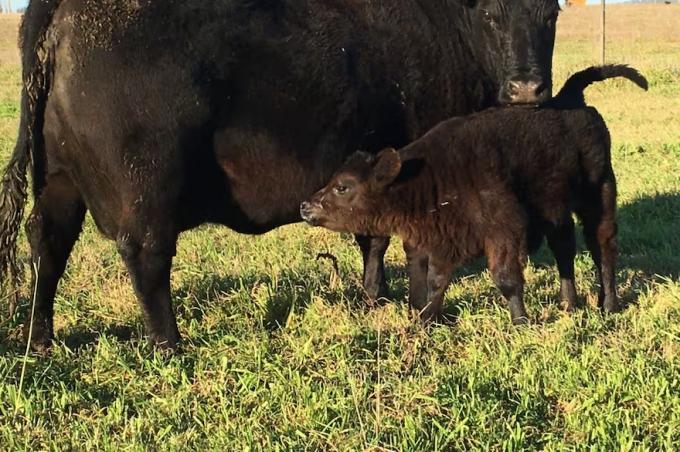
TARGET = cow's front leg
(373,251)
(148,258)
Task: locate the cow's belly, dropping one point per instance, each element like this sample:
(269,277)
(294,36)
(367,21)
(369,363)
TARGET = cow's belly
(266,179)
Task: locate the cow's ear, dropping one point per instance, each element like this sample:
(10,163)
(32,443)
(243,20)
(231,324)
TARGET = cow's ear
(387,167)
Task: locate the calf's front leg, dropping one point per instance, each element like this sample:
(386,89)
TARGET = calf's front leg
(438,278)
(417,262)
(373,251)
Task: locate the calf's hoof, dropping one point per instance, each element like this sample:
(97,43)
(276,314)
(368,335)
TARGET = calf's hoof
(41,345)
(518,312)
(377,292)
(429,315)
(570,306)
(611,306)
(519,321)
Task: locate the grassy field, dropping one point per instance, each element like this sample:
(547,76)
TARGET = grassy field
(281,353)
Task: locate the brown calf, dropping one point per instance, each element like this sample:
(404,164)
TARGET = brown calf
(494,183)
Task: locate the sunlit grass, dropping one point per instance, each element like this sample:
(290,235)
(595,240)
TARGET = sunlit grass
(280,353)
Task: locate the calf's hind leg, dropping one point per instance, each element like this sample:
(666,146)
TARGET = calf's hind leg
(52,229)
(439,273)
(562,242)
(506,257)
(600,230)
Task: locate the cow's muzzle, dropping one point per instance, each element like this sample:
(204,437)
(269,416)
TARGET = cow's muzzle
(525,90)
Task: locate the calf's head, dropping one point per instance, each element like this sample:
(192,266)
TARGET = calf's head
(355,198)
(514,41)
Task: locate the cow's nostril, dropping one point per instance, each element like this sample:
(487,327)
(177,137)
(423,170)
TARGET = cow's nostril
(513,88)
(525,91)
(540,89)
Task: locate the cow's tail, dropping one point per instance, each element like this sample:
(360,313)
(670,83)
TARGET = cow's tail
(37,69)
(571,95)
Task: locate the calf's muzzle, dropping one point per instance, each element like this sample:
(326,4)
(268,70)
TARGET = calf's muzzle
(310,212)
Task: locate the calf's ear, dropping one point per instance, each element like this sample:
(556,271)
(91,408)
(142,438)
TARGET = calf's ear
(387,167)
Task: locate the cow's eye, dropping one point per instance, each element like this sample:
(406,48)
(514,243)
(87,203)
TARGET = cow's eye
(340,189)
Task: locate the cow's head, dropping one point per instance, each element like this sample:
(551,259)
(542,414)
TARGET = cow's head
(354,200)
(514,41)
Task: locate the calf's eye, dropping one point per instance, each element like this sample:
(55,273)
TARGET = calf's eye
(340,189)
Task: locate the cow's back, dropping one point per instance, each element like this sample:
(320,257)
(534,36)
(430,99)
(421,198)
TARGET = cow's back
(236,110)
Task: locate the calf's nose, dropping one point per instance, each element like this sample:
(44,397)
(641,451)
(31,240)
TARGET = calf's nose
(306,210)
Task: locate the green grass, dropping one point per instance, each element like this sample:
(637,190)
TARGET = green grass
(281,353)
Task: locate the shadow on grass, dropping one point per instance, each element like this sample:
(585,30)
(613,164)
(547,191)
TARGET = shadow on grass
(649,235)
(80,337)
(501,397)
(266,297)
(649,245)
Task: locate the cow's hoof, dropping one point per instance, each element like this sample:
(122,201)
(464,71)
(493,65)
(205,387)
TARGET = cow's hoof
(168,344)
(41,336)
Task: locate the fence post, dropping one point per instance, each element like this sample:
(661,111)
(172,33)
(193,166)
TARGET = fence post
(604,31)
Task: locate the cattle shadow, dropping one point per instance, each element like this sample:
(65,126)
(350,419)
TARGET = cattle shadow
(13,342)
(263,297)
(649,251)
(649,244)
(649,235)
(649,247)
(79,337)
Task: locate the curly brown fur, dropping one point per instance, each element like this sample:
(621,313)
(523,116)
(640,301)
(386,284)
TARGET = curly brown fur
(493,183)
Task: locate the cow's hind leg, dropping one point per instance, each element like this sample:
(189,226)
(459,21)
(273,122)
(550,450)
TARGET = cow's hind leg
(373,250)
(562,242)
(600,230)
(147,245)
(52,229)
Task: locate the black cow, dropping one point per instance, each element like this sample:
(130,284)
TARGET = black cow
(158,116)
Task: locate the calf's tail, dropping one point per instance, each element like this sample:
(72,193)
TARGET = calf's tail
(571,94)
(37,70)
